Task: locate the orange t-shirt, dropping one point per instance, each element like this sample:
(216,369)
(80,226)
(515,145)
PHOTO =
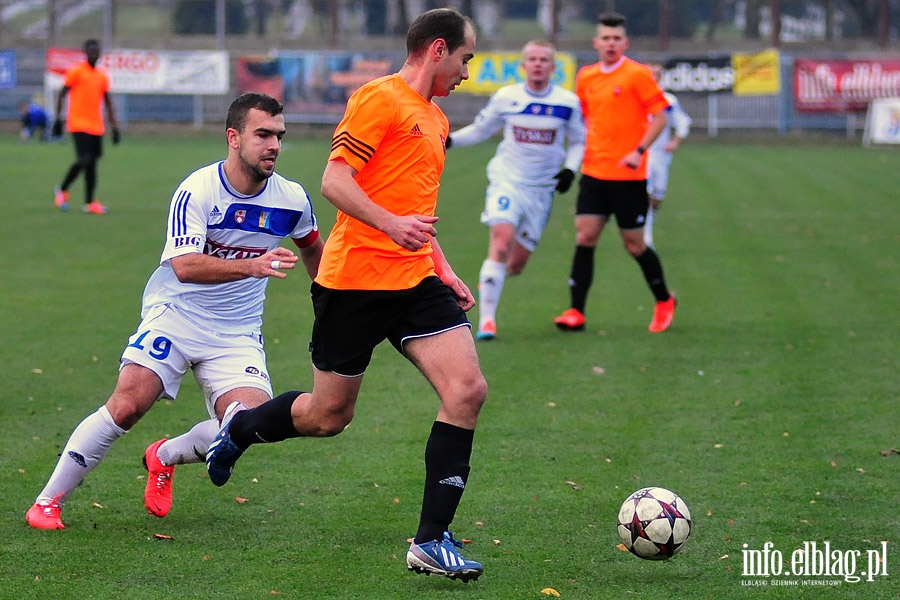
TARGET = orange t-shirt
(87,86)
(394,138)
(617,106)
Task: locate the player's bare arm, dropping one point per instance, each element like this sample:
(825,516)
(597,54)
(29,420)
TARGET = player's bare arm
(340,188)
(443,269)
(310,256)
(632,160)
(205,269)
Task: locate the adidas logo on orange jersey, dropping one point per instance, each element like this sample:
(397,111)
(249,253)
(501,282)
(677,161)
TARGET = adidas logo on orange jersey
(415,130)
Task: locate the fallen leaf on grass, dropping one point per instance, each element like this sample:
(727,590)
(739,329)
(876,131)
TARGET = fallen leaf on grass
(161,536)
(621,548)
(240,500)
(891,452)
(574,486)
(95,505)
(37,371)
(550,592)
(465,541)
(723,557)
(496,542)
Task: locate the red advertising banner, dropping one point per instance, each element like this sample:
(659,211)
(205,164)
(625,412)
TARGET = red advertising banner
(843,85)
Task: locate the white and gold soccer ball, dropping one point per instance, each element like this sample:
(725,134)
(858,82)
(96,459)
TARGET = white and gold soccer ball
(654,523)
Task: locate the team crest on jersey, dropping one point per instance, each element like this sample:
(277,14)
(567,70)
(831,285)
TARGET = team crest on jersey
(240,216)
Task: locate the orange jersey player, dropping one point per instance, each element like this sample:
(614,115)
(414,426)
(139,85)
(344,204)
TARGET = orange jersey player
(624,111)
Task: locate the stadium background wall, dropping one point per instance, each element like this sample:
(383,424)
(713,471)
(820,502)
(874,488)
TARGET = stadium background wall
(712,113)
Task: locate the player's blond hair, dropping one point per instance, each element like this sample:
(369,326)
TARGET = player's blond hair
(540,43)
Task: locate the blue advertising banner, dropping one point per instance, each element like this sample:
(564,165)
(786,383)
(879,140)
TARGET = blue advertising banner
(7,69)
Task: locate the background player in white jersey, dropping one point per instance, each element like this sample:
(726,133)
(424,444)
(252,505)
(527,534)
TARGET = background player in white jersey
(543,142)
(659,154)
(202,307)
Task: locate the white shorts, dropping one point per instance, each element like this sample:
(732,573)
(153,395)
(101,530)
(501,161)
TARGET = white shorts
(658,163)
(169,344)
(527,208)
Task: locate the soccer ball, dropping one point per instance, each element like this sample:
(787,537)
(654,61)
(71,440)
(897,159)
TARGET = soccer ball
(654,523)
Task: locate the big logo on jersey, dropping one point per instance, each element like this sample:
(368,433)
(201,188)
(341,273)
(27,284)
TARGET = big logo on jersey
(526,135)
(231,252)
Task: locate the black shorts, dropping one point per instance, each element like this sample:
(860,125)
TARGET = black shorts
(87,145)
(350,323)
(627,200)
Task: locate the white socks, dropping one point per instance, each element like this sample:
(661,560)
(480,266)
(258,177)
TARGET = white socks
(648,227)
(490,286)
(189,447)
(86,447)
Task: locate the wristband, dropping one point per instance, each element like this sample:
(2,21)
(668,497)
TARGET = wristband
(640,150)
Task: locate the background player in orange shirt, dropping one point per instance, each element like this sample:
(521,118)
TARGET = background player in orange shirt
(383,276)
(624,110)
(87,87)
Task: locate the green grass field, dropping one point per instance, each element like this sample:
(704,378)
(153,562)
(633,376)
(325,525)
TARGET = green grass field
(768,406)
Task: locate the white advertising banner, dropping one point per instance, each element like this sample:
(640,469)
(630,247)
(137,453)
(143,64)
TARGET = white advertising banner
(883,122)
(150,71)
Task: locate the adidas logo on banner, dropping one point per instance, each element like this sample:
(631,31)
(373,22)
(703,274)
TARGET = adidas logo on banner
(455,481)
(415,130)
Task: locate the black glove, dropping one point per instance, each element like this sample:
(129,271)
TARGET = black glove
(57,128)
(564,180)
(116,138)
(448,142)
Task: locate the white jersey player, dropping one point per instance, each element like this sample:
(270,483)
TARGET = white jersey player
(542,147)
(202,307)
(659,155)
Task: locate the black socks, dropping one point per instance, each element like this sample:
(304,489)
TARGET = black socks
(581,276)
(653,273)
(446,472)
(269,422)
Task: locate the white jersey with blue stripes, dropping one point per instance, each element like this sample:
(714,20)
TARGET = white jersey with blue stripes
(542,133)
(207,215)
(677,122)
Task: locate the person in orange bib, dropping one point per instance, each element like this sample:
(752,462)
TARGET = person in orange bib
(87,87)
(624,111)
(383,276)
